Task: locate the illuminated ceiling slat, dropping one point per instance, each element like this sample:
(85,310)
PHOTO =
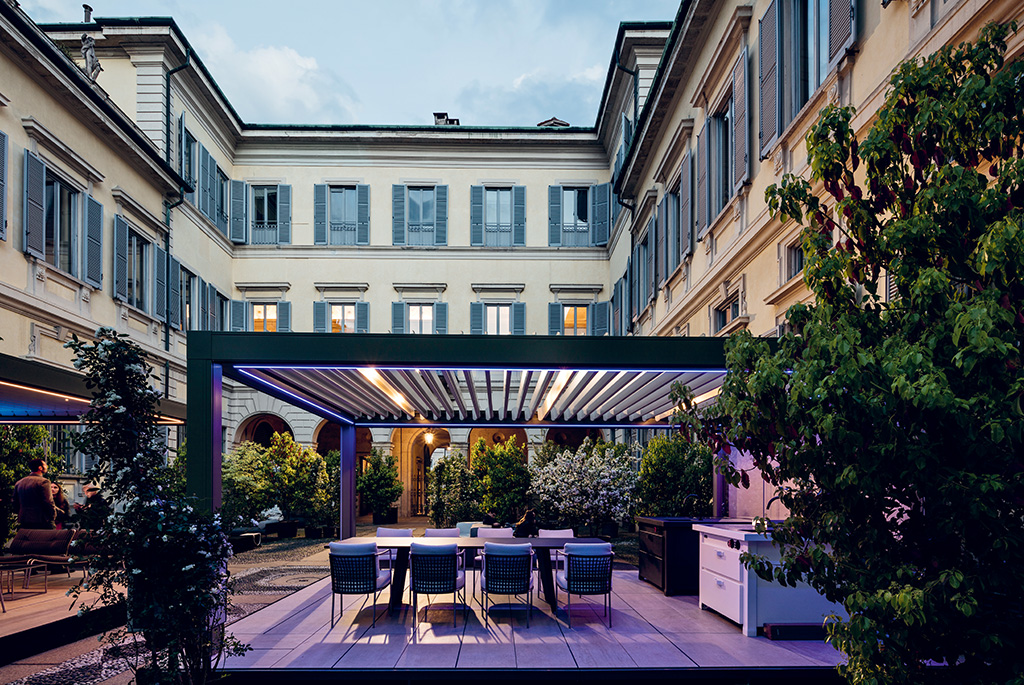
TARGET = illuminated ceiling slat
(506,381)
(524,386)
(374,400)
(456,389)
(573,388)
(471,387)
(611,405)
(538,393)
(432,379)
(328,391)
(490,394)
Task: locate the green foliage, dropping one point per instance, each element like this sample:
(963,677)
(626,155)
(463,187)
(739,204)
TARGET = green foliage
(379,484)
(453,491)
(245,481)
(298,481)
(545,453)
(168,559)
(19,444)
(675,478)
(504,478)
(894,430)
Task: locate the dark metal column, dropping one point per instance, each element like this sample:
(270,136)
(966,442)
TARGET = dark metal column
(348,481)
(202,475)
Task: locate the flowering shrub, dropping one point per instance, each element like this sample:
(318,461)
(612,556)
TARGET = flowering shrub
(166,558)
(591,486)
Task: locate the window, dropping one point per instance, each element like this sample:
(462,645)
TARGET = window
(574,320)
(722,158)
(138,252)
(575,217)
(264,207)
(421,216)
(499,319)
(808,47)
(188,159)
(264,317)
(726,312)
(498,217)
(794,261)
(190,313)
(343,318)
(60,224)
(579,216)
(343,216)
(221,202)
(421,318)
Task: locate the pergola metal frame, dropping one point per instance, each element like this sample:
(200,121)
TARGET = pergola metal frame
(438,380)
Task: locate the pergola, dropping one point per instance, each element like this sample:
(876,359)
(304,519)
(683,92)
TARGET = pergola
(439,380)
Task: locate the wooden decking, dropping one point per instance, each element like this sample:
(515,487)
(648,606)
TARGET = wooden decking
(670,636)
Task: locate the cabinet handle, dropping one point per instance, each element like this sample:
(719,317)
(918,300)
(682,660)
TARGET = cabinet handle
(720,583)
(720,553)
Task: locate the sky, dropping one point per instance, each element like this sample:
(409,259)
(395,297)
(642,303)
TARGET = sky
(485,62)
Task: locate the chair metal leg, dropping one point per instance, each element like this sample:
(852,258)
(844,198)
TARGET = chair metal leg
(568,609)
(332,608)
(609,610)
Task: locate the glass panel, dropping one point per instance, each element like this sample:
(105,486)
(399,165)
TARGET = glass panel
(582,205)
(343,318)
(50,227)
(259,203)
(568,207)
(581,320)
(823,19)
(259,317)
(272,204)
(67,227)
(414,206)
(427,198)
(491,207)
(270,324)
(505,206)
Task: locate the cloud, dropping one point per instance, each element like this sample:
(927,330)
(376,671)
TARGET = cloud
(275,84)
(533,97)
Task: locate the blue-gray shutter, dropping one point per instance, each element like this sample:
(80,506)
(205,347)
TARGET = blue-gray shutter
(398,317)
(598,317)
(842,29)
(397,215)
(740,121)
(652,262)
(239,207)
(769,102)
(440,215)
(3,186)
(204,315)
(181,145)
(701,204)
(518,216)
(120,258)
(476,318)
(661,246)
(320,214)
(627,295)
(209,181)
(93,242)
(518,318)
(671,233)
(284,316)
(204,193)
(321,315)
(362,214)
(476,215)
(160,283)
(362,317)
(174,292)
(284,215)
(33,209)
(555,318)
(239,315)
(211,307)
(600,213)
(222,207)
(441,318)
(686,206)
(554,215)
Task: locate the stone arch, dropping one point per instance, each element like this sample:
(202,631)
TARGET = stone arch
(260,427)
(327,437)
(571,438)
(410,449)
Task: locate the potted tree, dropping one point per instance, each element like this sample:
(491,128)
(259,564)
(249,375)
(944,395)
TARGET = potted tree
(379,486)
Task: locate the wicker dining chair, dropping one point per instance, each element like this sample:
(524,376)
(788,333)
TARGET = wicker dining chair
(435,571)
(507,570)
(355,570)
(588,571)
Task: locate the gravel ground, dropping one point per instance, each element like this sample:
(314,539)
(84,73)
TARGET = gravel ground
(276,551)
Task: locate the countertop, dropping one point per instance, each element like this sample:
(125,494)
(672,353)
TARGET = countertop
(733,530)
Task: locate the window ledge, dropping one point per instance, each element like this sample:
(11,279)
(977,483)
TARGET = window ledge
(570,289)
(325,288)
(733,326)
(486,288)
(403,288)
(45,271)
(786,291)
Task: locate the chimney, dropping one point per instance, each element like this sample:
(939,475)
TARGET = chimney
(88,13)
(442,119)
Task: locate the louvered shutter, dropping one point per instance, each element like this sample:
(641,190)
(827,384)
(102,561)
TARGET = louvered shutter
(398,317)
(598,317)
(627,294)
(181,146)
(160,283)
(201,181)
(321,316)
(211,186)
(173,292)
(441,318)
(93,242)
(33,212)
(653,231)
(204,315)
(686,205)
(476,215)
(769,81)
(441,215)
(842,29)
(239,315)
(397,215)
(362,317)
(284,215)
(362,214)
(554,215)
(555,318)
(661,251)
(239,206)
(600,213)
(701,205)
(617,307)
(319,214)
(740,121)
(3,186)
(476,318)
(120,258)
(212,307)
(284,316)
(518,318)
(518,216)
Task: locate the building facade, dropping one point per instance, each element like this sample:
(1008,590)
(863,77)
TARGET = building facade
(142,201)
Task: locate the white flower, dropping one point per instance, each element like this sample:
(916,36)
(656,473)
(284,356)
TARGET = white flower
(189,567)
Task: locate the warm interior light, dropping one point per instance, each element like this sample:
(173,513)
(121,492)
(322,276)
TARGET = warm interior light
(381,384)
(66,398)
(428,438)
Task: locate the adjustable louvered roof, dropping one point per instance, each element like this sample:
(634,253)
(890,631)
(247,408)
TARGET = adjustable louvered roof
(391,380)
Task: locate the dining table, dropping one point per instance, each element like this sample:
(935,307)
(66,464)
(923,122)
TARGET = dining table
(469,546)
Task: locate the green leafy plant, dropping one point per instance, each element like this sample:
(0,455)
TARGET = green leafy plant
(675,478)
(247,490)
(298,480)
(168,560)
(504,478)
(379,484)
(18,446)
(453,491)
(892,427)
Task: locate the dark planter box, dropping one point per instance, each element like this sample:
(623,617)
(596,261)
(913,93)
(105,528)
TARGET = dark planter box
(287,529)
(387,519)
(317,532)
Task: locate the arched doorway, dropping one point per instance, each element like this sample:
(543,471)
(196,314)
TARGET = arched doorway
(259,428)
(494,435)
(425,447)
(328,437)
(571,438)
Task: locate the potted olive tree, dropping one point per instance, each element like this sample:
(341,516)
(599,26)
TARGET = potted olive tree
(379,486)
